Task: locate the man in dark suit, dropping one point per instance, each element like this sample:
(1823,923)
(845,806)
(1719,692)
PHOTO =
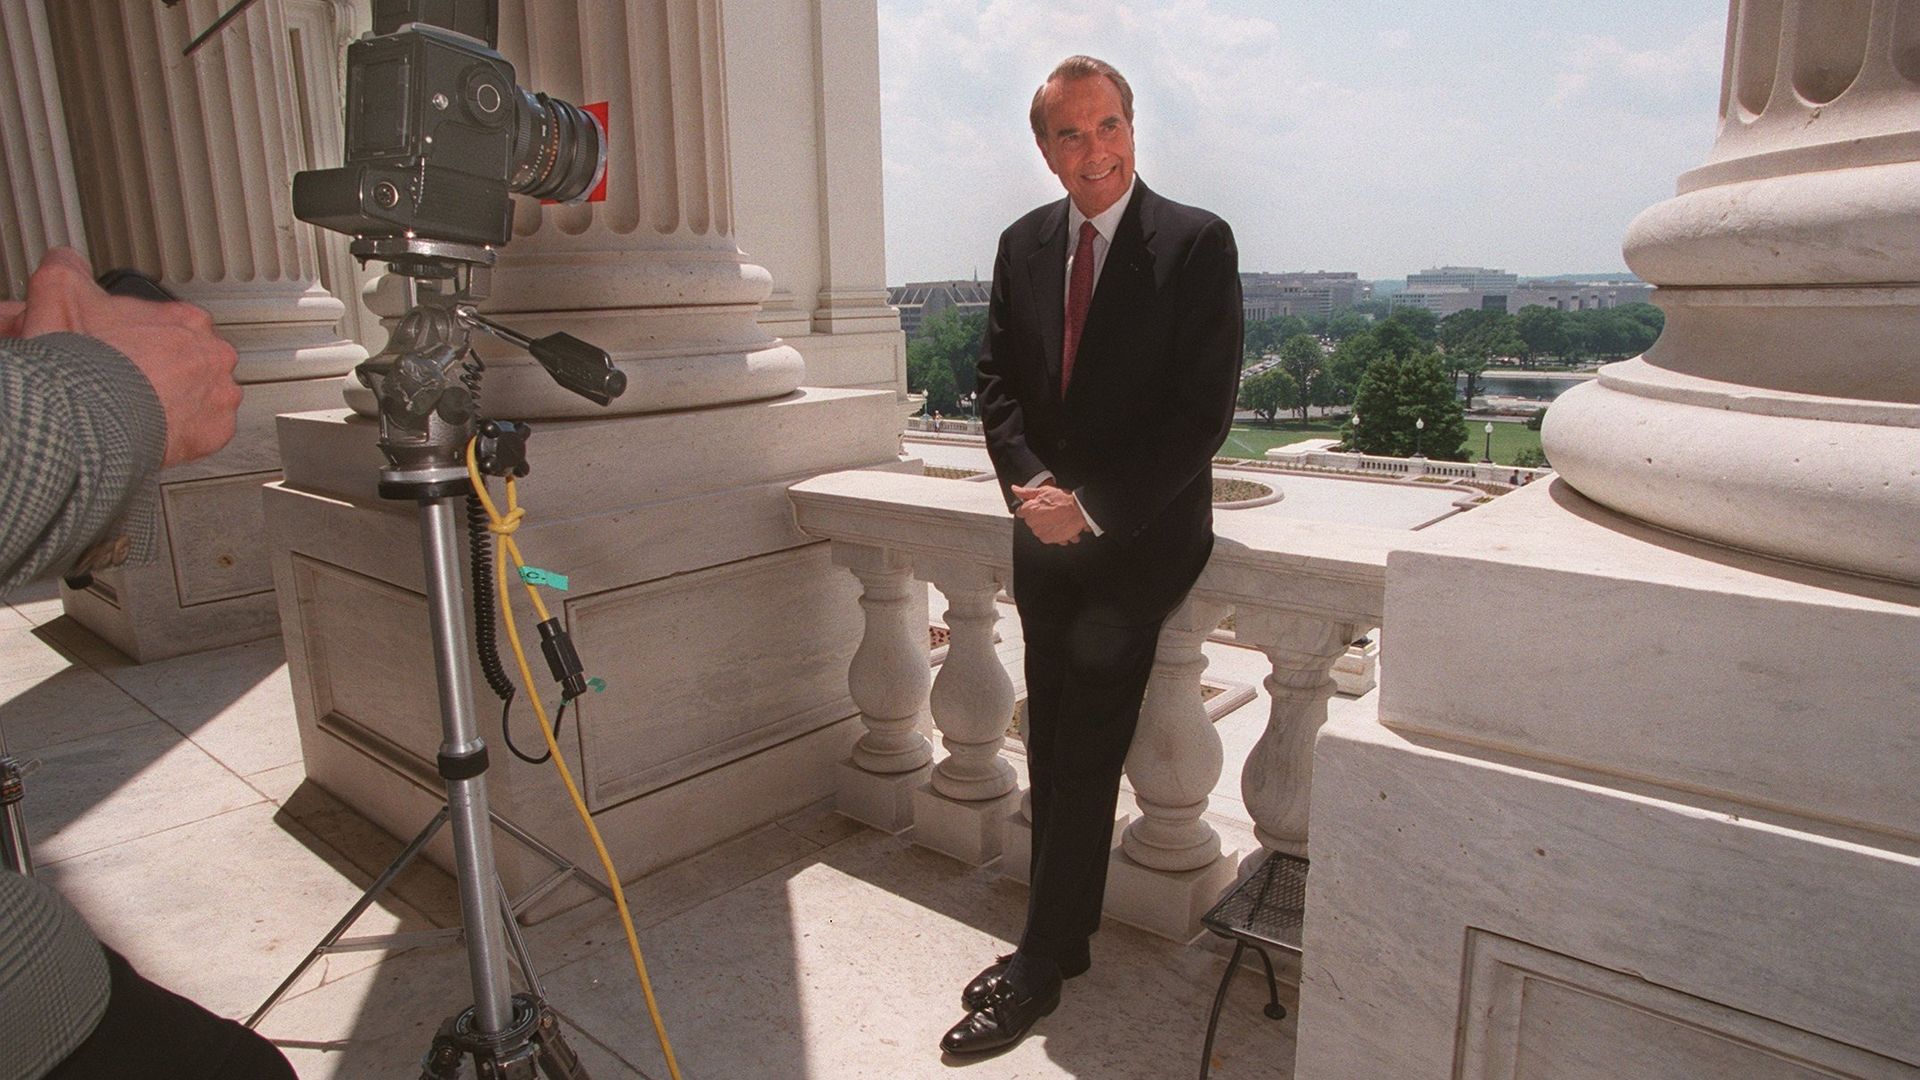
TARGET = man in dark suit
(1106,383)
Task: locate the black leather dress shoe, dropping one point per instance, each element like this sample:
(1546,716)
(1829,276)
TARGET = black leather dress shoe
(1004,1021)
(978,992)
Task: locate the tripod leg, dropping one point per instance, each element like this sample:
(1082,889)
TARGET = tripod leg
(353,914)
(517,943)
(557,1059)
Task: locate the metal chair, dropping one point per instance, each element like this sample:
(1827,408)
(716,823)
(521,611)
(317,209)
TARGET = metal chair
(1263,911)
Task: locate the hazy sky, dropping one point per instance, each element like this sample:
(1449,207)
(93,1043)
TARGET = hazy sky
(1368,135)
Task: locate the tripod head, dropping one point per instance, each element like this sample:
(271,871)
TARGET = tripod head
(427,380)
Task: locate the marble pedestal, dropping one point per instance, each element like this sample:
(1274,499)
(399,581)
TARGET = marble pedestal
(1668,829)
(211,583)
(723,632)
(968,830)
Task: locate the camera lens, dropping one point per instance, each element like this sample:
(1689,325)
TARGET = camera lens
(559,149)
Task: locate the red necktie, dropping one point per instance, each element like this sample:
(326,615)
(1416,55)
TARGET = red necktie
(1079,298)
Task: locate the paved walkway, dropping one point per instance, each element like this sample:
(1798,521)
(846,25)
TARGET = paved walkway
(173,810)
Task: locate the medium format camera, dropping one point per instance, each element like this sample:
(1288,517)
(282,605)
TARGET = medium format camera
(439,137)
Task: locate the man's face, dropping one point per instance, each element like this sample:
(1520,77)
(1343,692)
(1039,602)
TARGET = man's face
(1089,142)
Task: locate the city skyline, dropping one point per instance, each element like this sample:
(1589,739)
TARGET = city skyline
(1344,137)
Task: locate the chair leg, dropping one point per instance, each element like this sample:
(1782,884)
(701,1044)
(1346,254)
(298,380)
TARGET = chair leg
(1219,999)
(1274,1010)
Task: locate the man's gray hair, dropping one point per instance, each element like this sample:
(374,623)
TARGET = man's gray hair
(1077,67)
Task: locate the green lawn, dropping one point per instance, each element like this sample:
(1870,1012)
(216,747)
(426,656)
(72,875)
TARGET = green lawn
(1254,441)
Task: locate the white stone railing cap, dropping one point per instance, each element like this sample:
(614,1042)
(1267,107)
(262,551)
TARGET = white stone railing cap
(1332,571)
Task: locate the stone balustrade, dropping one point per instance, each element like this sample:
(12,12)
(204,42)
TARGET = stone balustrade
(1299,592)
(1404,468)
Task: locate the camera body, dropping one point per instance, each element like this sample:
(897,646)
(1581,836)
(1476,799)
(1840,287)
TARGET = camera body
(439,137)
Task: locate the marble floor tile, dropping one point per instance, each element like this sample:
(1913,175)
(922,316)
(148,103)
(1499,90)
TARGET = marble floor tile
(73,704)
(27,654)
(821,824)
(236,702)
(221,910)
(370,850)
(665,893)
(835,968)
(279,783)
(104,789)
(13,620)
(38,602)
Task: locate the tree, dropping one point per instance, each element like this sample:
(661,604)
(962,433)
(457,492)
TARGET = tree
(929,372)
(1346,324)
(954,338)
(1302,359)
(1471,339)
(1268,392)
(1397,391)
(1422,322)
(1542,329)
(1348,363)
(1265,335)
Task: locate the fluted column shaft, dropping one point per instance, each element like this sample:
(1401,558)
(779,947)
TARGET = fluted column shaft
(652,274)
(972,699)
(186,171)
(39,203)
(1278,779)
(888,676)
(1780,410)
(1176,755)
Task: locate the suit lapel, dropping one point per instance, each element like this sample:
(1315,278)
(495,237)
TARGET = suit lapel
(1047,276)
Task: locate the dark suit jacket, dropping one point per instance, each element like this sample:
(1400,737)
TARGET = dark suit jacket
(1151,401)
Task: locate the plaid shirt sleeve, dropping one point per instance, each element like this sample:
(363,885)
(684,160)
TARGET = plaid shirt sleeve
(81,435)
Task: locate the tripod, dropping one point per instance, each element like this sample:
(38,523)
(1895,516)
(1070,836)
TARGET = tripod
(427,388)
(16,853)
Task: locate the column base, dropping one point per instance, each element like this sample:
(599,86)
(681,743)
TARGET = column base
(972,831)
(881,800)
(1163,902)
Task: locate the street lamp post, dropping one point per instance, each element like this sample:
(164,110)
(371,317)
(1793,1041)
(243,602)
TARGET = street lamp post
(1419,433)
(1356,433)
(1488,456)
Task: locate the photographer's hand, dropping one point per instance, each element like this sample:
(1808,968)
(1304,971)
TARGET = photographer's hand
(173,345)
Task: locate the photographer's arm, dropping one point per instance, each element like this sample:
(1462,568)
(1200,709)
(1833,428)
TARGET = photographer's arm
(97,393)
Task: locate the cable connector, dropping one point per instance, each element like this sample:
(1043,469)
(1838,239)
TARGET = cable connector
(533,575)
(562,660)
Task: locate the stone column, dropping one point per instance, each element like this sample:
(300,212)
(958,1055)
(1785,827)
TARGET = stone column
(853,288)
(1279,773)
(1780,410)
(185,171)
(652,274)
(1173,869)
(888,680)
(962,809)
(39,204)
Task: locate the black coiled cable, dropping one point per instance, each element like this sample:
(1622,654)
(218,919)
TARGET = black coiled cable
(486,639)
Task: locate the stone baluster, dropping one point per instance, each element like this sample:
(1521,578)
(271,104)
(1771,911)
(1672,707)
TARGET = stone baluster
(38,200)
(1176,757)
(1173,869)
(887,679)
(185,170)
(972,700)
(1279,773)
(962,811)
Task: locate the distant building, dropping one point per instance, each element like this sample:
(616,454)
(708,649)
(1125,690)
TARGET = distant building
(1445,290)
(1319,292)
(919,301)
(1579,295)
(1445,301)
(1471,278)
